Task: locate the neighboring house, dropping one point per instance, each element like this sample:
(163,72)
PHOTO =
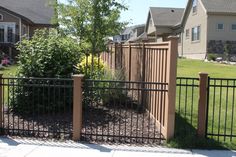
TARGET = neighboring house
(163,22)
(204,27)
(133,33)
(20,18)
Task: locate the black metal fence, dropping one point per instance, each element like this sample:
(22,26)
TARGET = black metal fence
(36,107)
(221,108)
(221,122)
(187,94)
(116,112)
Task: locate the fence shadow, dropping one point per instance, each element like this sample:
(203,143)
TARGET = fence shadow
(186,137)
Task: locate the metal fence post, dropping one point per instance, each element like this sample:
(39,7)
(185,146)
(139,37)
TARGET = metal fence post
(1,101)
(202,105)
(77,106)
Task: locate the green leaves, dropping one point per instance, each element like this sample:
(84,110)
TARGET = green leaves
(91,21)
(48,54)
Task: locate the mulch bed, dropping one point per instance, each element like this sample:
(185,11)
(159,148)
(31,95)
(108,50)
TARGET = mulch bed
(57,126)
(117,124)
(101,124)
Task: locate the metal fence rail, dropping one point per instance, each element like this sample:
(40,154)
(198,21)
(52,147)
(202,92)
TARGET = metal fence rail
(118,112)
(221,120)
(36,107)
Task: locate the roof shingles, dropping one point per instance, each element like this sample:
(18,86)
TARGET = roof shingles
(166,16)
(220,6)
(37,11)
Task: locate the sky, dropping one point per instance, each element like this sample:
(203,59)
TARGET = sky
(138,9)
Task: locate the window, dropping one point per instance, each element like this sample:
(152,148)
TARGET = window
(196,33)
(7,32)
(10,34)
(220,26)
(122,37)
(1,17)
(234,27)
(194,6)
(187,33)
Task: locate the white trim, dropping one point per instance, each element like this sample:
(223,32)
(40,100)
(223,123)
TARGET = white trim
(6,25)
(200,1)
(200,31)
(217,26)
(231,28)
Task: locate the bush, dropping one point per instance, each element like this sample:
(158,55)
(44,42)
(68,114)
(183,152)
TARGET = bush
(41,96)
(102,91)
(211,57)
(47,55)
(227,50)
(91,69)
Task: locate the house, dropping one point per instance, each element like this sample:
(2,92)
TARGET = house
(163,22)
(133,33)
(20,18)
(205,26)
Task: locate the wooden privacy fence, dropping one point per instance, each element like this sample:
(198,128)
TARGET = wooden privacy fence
(150,62)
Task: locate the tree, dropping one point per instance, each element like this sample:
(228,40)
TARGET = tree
(91,21)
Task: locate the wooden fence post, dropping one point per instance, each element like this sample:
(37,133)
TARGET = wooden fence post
(202,105)
(143,73)
(121,55)
(1,101)
(77,106)
(130,65)
(171,80)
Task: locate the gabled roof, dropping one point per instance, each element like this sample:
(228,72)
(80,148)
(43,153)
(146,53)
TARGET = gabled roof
(166,16)
(129,29)
(36,11)
(219,6)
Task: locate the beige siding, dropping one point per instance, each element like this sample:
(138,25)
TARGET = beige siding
(195,49)
(150,26)
(227,33)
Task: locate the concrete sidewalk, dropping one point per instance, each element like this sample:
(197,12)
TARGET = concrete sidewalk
(35,148)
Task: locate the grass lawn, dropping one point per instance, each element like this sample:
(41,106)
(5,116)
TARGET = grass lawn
(191,68)
(221,107)
(9,71)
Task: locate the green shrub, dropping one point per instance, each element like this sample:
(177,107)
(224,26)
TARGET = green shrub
(102,91)
(41,96)
(227,50)
(211,57)
(92,67)
(47,55)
